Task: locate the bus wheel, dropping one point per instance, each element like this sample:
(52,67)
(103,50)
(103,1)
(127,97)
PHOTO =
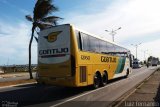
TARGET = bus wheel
(127,73)
(104,79)
(96,82)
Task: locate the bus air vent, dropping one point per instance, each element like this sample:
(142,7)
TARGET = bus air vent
(82,73)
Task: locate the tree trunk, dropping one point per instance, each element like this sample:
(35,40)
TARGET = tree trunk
(30,44)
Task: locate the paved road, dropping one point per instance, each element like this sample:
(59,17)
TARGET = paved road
(38,95)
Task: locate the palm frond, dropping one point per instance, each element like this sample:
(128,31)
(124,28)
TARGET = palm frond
(51,19)
(42,26)
(36,39)
(29,18)
(43,8)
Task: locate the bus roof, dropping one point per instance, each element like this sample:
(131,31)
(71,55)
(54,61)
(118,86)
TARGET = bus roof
(93,35)
(98,37)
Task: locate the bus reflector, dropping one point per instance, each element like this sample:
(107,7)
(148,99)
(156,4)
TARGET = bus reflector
(82,73)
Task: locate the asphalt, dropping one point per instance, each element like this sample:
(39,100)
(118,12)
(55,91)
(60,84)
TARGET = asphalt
(147,94)
(39,95)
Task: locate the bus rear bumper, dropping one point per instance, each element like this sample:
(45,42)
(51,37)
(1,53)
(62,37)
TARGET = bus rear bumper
(60,81)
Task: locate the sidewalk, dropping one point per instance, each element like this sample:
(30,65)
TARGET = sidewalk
(16,78)
(11,75)
(146,94)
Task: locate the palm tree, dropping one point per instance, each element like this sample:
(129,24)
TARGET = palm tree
(40,20)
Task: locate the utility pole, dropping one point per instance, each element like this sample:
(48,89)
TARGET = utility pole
(8,62)
(136,46)
(113,33)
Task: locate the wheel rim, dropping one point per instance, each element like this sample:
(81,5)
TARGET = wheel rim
(96,81)
(104,79)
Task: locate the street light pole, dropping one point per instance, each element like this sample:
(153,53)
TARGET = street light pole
(136,45)
(136,51)
(113,33)
(145,54)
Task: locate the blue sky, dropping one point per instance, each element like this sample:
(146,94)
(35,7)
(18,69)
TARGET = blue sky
(139,20)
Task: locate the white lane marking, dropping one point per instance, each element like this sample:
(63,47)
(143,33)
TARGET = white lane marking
(131,93)
(125,98)
(96,89)
(17,85)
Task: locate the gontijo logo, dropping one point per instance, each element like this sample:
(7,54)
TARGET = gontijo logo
(52,36)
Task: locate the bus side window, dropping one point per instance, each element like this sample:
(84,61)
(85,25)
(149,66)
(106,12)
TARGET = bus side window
(79,40)
(102,46)
(85,42)
(110,47)
(130,59)
(94,44)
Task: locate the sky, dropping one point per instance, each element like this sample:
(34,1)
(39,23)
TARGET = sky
(139,21)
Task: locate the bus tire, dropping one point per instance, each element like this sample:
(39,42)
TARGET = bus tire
(104,79)
(96,81)
(127,73)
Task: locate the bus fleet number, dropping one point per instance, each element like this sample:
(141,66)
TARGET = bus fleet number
(85,57)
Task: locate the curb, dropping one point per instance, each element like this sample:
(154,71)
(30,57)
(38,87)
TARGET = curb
(130,92)
(17,85)
(12,76)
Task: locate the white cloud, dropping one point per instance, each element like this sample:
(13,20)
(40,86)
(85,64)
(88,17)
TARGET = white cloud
(25,12)
(14,45)
(152,47)
(138,18)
